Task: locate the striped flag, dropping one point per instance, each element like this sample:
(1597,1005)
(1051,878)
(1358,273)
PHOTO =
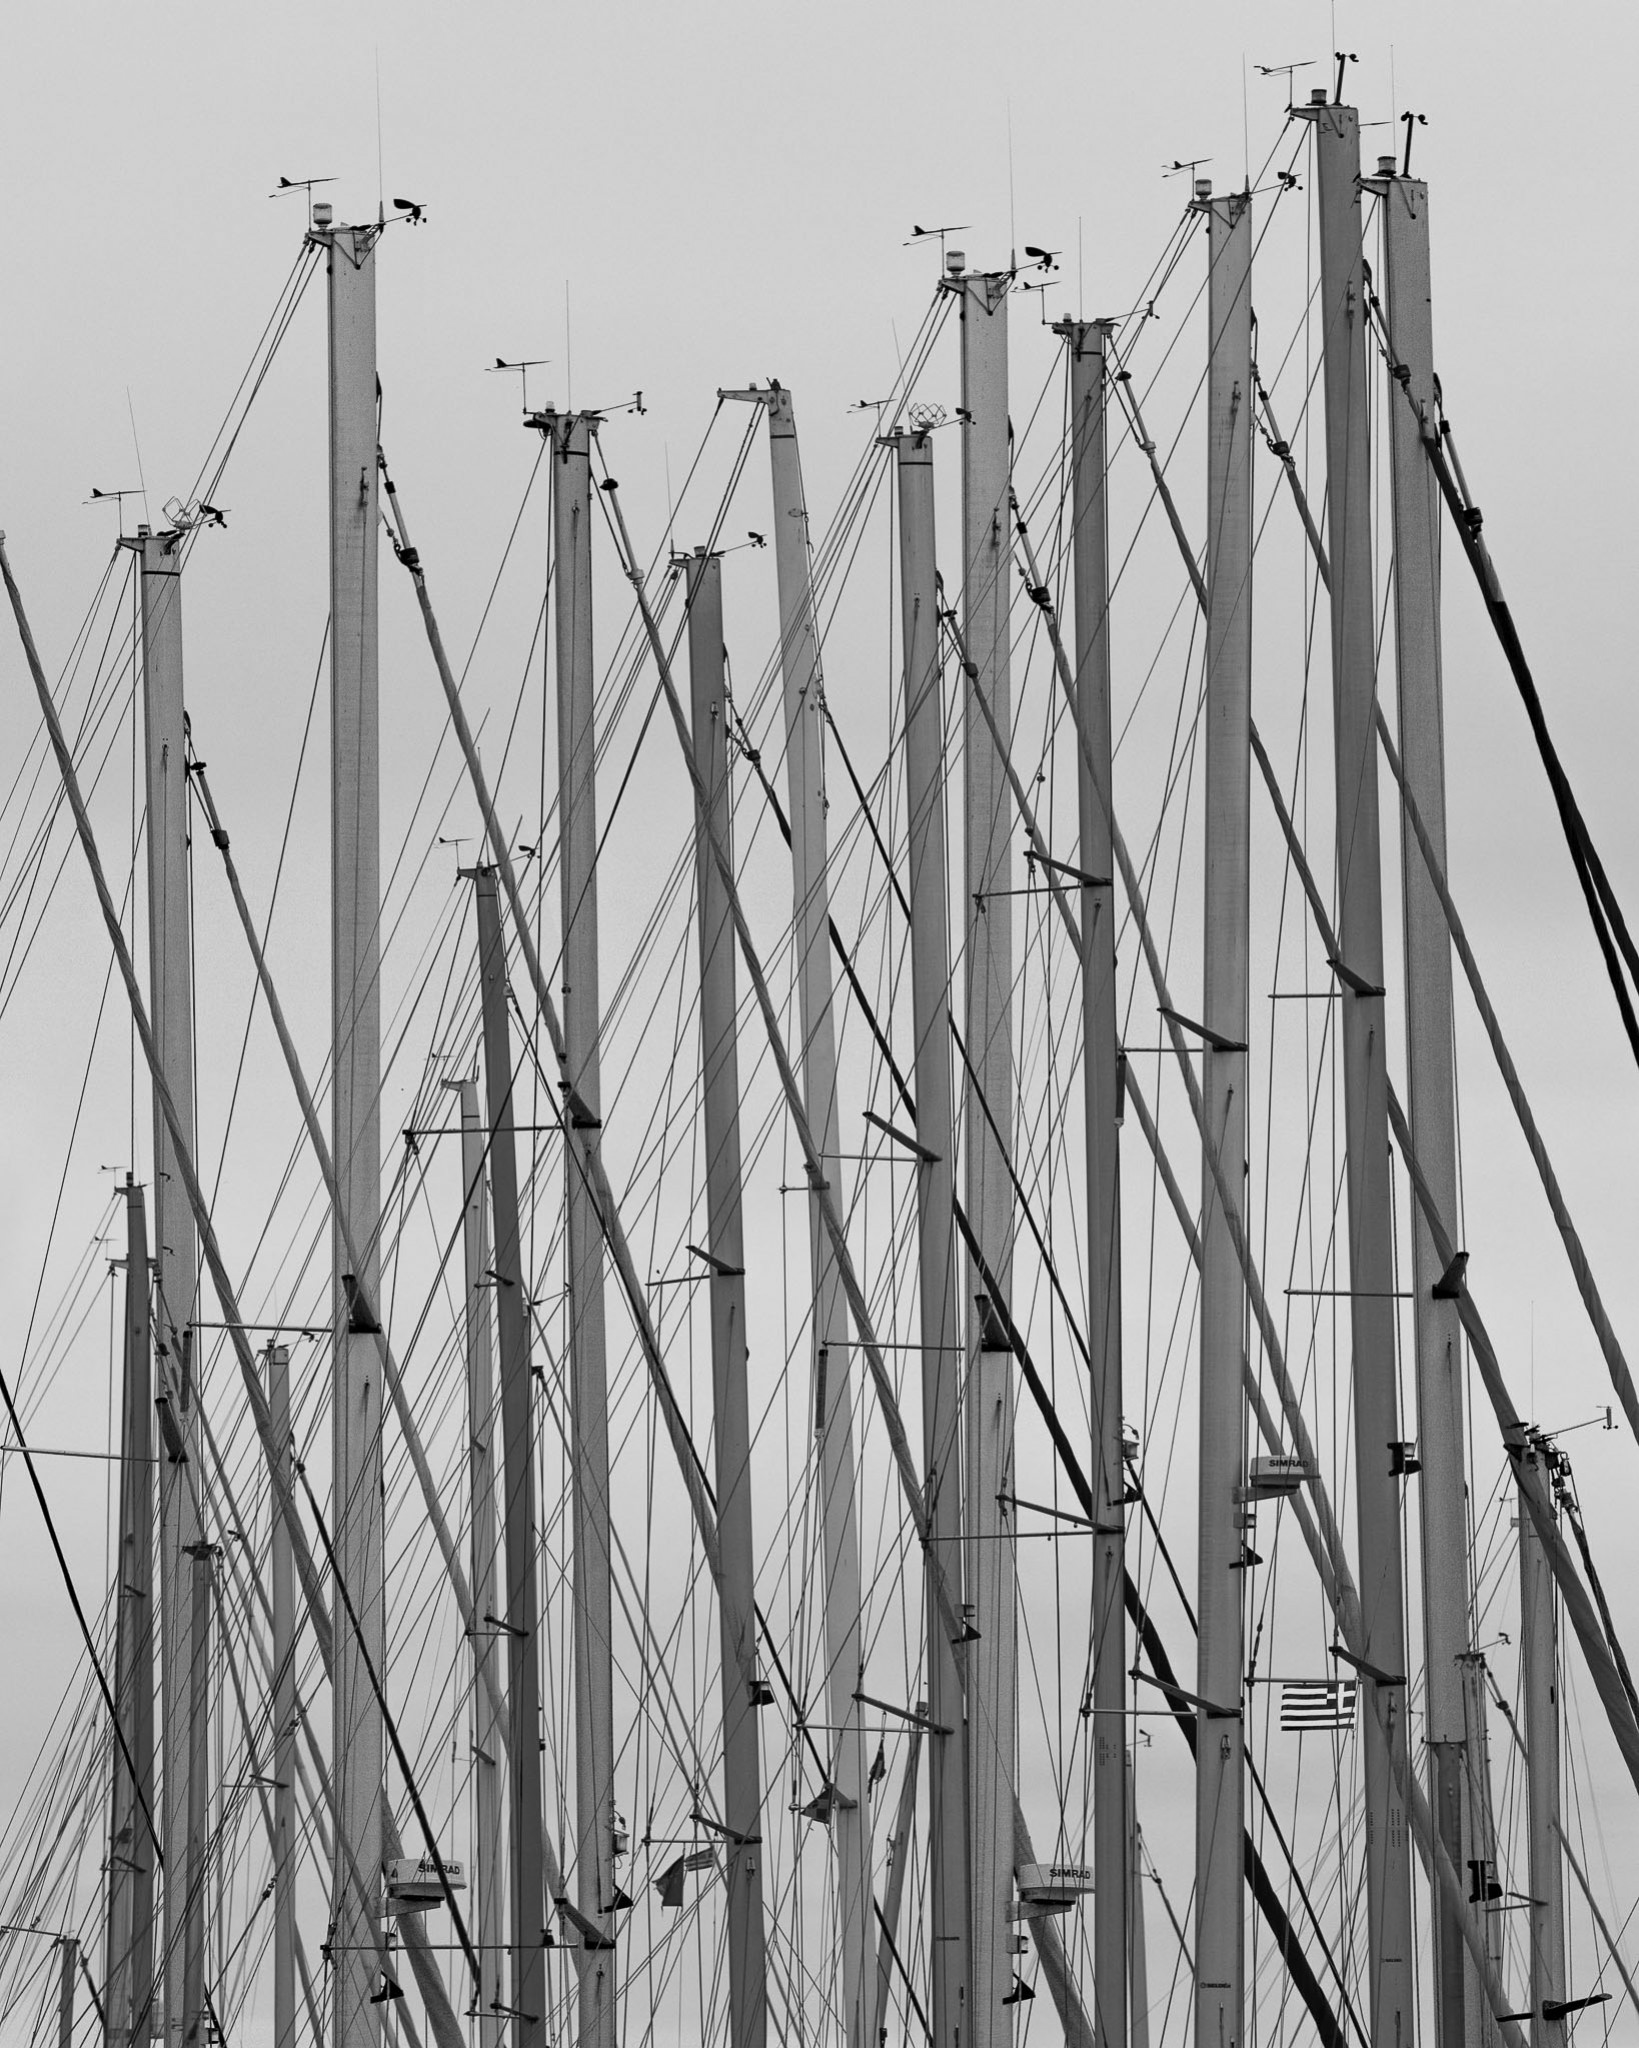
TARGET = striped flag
(1318,1703)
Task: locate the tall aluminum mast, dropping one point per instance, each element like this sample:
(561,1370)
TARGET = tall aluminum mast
(1448,1630)
(1224,1546)
(128,1995)
(523,1613)
(1359,972)
(726,1288)
(1539,1669)
(804,694)
(597,1891)
(936,1225)
(488,1913)
(282,1592)
(197,1861)
(355,1131)
(1139,1965)
(1087,341)
(68,1961)
(990,1573)
(176,1256)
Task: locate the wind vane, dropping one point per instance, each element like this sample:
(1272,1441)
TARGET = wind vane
(117,500)
(1284,71)
(522,368)
(922,234)
(289,185)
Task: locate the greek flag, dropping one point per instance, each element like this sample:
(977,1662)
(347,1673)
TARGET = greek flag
(1318,1703)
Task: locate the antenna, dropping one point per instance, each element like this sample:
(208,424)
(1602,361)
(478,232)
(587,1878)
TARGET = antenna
(1012,215)
(1191,164)
(1413,122)
(381,176)
(137,445)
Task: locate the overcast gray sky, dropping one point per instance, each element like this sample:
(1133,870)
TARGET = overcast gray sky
(674,199)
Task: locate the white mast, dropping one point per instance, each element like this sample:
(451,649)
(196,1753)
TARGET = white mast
(1539,1671)
(282,1591)
(597,1892)
(521,1619)
(1087,341)
(1224,1546)
(936,1225)
(176,1259)
(832,1377)
(893,1888)
(990,1573)
(1359,971)
(1448,1634)
(488,1913)
(68,1963)
(128,1995)
(355,1130)
(1139,1967)
(726,1288)
(201,1593)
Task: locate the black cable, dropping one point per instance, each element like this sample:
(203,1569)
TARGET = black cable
(1604,911)
(1573,1514)
(391,1726)
(91,1650)
(1305,1981)
(79,1614)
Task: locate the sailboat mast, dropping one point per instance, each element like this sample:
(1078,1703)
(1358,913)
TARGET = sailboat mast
(991,1572)
(1483,1820)
(726,1291)
(1448,1634)
(1087,341)
(202,1594)
(357,1741)
(1359,971)
(1539,1670)
(522,1614)
(1225,1552)
(176,1261)
(282,1594)
(597,1892)
(893,1888)
(488,1914)
(936,1226)
(832,1375)
(68,1961)
(1139,1968)
(129,1994)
